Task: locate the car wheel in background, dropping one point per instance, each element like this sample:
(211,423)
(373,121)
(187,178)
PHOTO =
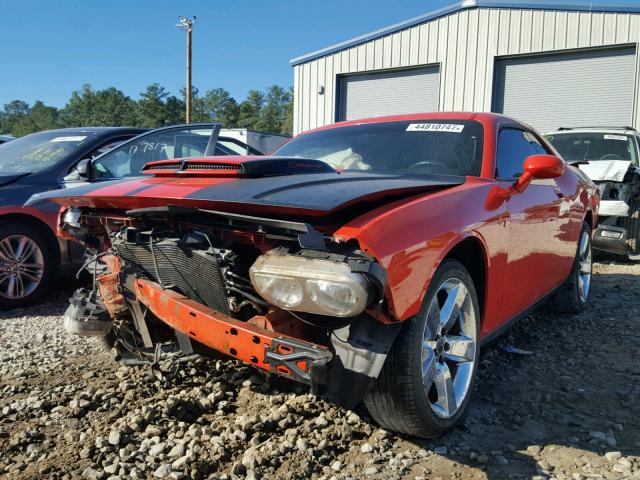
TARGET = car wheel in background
(426,381)
(572,295)
(26,262)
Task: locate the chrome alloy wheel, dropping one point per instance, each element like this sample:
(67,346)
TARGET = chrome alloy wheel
(585,265)
(21,266)
(449,348)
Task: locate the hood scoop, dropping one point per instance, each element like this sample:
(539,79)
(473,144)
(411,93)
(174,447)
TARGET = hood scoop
(253,167)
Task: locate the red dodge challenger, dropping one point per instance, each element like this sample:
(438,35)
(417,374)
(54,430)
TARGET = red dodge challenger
(367,259)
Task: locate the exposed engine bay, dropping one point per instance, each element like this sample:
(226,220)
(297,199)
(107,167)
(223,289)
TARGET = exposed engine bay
(276,294)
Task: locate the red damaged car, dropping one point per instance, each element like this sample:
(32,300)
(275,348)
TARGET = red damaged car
(367,259)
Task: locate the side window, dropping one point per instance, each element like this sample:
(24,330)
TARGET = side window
(514,146)
(129,158)
(535,143)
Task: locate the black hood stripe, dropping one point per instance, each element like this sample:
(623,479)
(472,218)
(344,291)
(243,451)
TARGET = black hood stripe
(324,192)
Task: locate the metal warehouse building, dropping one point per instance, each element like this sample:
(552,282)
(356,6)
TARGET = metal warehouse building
(548,65)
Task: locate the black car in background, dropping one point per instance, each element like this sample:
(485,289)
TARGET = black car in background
(30,253)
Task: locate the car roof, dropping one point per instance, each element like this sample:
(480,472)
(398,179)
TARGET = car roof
(484,117)
(98,130)
(611,130)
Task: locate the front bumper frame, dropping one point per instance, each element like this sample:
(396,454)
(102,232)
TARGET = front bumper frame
(274,352)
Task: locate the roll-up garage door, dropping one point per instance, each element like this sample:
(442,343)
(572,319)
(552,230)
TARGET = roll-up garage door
(389,93)
(565,90)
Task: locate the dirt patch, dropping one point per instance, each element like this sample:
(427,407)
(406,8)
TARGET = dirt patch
(570,410)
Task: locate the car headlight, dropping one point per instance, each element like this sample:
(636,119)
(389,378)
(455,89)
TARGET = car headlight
(311,285)
(281,290)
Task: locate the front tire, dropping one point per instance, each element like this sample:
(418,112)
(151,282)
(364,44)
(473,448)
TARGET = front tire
(426,381)
(26,265)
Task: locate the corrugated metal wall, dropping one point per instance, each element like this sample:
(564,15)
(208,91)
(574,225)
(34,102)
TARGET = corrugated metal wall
(465,44)
(578,88)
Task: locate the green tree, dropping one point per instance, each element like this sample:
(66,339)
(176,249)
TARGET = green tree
(269,111)
(274,112)
(174,110)
(15,113)
(108,107)
(287,124)
(78,112)
(229,116)
(198,107)
(152,108)
(113,108)
(250,109)
(40,117)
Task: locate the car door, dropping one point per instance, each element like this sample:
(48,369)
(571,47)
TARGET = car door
(535,232)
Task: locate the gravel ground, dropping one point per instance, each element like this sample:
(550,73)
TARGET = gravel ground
(570,410)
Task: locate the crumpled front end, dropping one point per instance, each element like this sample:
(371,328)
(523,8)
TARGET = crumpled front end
(619,186)
(279,295)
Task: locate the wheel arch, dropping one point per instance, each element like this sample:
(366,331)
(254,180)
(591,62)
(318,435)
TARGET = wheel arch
(471,253)
(38,224)
(589,219)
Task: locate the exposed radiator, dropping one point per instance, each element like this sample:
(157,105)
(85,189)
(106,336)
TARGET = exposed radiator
(194,273)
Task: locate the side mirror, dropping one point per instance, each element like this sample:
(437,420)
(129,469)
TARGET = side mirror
(81,172)
(83,168)
(535,167)
(539,167)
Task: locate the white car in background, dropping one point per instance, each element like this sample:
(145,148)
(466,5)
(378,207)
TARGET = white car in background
(610,157)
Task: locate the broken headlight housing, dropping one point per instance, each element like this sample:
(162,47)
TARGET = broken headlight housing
(311,285)
(71,218)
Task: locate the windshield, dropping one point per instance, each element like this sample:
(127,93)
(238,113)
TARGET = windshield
(424,147)
(588,146)
(39,151)
(129,158)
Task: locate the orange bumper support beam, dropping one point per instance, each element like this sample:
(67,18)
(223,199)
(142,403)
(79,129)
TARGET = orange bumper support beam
(271,351)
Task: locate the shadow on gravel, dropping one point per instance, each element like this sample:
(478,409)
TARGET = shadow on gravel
(576,395)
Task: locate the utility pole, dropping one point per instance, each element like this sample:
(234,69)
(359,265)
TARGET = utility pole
(186,24)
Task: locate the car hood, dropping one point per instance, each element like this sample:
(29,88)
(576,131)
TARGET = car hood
(295,193)
(9,178)
(606,170)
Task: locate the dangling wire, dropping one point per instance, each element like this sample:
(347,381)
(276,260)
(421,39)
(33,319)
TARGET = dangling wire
(155,260)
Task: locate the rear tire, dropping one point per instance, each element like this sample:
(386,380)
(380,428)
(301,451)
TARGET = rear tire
(27,264)
(426,381)
(572,295)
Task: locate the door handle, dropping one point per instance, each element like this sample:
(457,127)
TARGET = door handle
(560,194)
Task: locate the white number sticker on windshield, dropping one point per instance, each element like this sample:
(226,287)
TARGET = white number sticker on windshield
(615,137)
(69,139)
(435,127)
